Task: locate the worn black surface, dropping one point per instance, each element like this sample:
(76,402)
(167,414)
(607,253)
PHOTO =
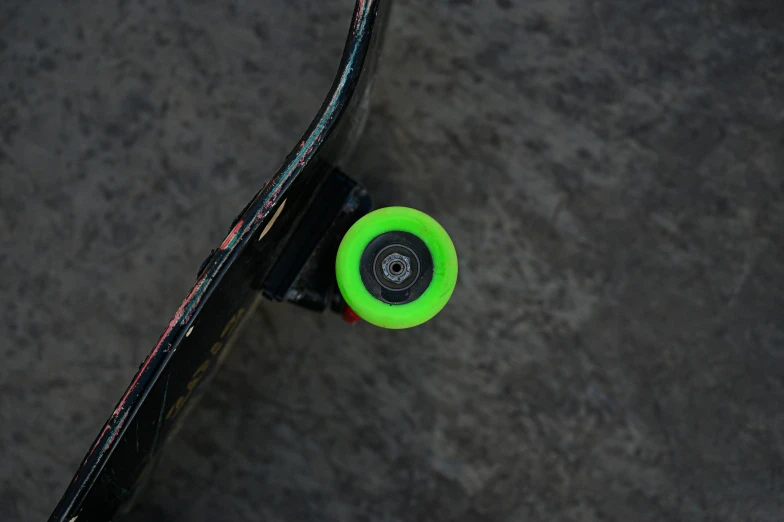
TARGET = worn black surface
(610,173)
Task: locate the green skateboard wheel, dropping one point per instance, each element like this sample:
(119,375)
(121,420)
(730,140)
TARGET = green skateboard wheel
(396,267)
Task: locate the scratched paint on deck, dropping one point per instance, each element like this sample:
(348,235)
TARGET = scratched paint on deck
(259,210)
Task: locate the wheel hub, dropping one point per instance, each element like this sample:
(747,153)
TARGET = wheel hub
(396,267)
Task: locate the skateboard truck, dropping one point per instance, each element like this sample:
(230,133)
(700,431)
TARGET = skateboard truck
(303,272)
(394,267)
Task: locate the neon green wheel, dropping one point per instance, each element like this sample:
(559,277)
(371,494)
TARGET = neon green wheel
(396,267)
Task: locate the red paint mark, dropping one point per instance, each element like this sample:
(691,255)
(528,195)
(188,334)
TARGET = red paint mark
(230,237)
(150,357)
(95,444)
(272,198)
(115,432)
(360,13)
(350,316)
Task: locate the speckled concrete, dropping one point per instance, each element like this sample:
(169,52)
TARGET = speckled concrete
(612,173)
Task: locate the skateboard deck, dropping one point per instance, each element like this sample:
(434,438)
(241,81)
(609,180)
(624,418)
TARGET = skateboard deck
(295,241)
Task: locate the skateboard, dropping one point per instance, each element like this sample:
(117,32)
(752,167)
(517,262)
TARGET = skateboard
(309,237)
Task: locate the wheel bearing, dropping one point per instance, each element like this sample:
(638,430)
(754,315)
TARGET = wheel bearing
(402,283)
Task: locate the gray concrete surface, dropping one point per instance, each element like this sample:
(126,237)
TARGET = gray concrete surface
(611,173)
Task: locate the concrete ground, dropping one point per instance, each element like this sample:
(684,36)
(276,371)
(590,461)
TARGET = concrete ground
(612,173)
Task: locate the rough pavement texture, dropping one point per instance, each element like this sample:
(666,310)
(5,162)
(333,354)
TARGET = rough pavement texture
(611,173)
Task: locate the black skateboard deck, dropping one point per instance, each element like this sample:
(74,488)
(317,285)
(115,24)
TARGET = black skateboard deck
(277,248)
